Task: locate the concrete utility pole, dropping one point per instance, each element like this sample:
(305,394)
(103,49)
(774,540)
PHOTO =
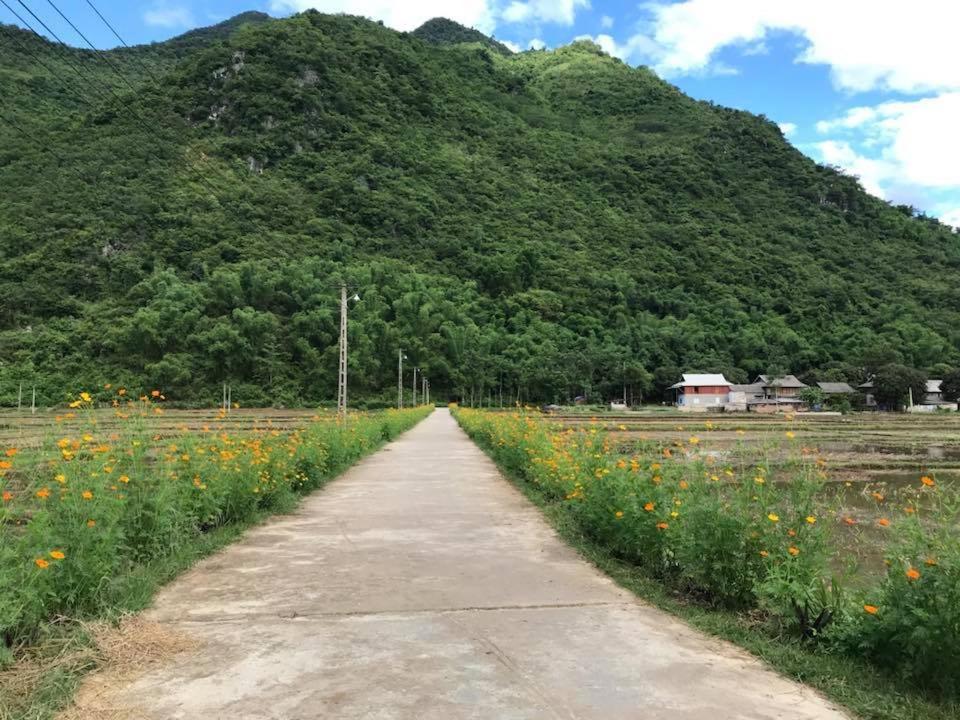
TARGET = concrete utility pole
(342,374)
(423,388)
(415,370)
(400,379)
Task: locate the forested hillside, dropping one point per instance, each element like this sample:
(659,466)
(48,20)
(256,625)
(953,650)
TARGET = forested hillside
(555,222)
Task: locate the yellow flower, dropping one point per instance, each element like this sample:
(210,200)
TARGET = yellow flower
(811,519)
(87,495)
(85,396)
(618,514)
(60,478)
(694,440)
(91,523)
(124,479)
(773,517)
(790,434)
(764,553)
(759,480)
(57,555)
(793,550)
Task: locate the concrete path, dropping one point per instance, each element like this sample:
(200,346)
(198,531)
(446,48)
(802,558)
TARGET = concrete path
(422,585)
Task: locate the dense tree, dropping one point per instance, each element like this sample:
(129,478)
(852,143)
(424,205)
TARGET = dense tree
(893,386)
(532,226)
(951,386)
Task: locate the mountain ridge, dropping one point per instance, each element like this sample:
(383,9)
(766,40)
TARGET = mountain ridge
(556,221)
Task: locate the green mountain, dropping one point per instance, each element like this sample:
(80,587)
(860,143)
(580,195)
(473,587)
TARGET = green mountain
(546,222)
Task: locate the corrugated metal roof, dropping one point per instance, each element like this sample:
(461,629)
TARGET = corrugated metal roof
(933,386)
(787,381)
(700,379)
(835,388)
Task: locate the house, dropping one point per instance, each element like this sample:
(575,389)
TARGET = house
(767,394)
(701,392)
(835,388)
(780,388)
(869,400)
(934,394)
(933,399)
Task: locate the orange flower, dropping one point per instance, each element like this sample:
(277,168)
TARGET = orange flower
(913,574)
(878,497)
(121,392)
(155,393)
(793,550)
(91,523)
(7,496)
(57,555)
(792,533)
(883,522)
(87,495)
(930,562)
(41,563)
(662,526)
(850,521)
(927,480)
(43,493)
(872,609)
(666,452)
(11,452)
(909,510)
(5,465)
(648,507)
(684,485)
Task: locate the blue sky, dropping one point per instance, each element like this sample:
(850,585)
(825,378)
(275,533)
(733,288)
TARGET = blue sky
(862,84)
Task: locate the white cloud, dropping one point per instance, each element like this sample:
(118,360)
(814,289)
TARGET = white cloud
(168,16)
(562,12)
(407,15)
(868,44)
(606,22)
(951,217)
(512,45)
(536,44)
(788,128)
(915,141)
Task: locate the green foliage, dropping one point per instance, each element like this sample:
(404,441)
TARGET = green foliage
(110,518)
(893,385)
(812,396)
(545,224)
(916,626)
(951,386)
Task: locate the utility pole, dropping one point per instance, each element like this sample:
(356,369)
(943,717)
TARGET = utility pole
(399,379)
(415,370)
(423,388)
(428,392)
(342,375)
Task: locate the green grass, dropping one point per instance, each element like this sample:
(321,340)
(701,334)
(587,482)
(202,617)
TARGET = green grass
(856,685)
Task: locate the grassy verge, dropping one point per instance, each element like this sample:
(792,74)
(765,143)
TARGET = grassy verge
(863,687)
(113,519)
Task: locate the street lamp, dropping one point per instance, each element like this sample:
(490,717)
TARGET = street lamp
(400,358)
(342,375)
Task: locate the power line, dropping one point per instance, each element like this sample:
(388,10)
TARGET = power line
(101,55)
(53,73)
(122,41)
(16,126)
